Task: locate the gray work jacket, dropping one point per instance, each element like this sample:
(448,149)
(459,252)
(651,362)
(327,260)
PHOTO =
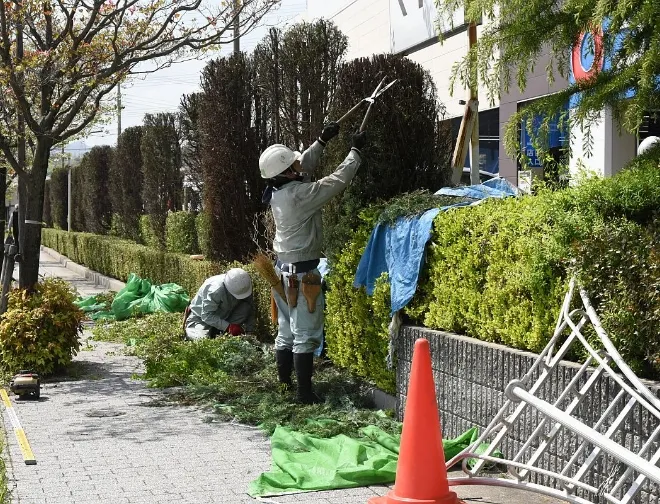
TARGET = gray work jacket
(297,207)
(214,306)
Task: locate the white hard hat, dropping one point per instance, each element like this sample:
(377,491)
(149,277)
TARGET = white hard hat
(647,144)
(238,283)
(275,159)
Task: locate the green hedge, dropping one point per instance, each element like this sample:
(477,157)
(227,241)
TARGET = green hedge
(499,271)
(181,233)
(148,234)
(118,258)
(203,229)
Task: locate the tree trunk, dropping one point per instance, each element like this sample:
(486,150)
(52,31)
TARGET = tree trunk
(33,208)
(3,200)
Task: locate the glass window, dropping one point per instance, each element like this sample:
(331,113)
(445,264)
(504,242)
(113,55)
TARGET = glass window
(489,141)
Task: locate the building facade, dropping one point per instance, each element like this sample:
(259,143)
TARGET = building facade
(410,28)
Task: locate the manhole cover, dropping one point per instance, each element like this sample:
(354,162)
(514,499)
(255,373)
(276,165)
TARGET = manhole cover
(104,413)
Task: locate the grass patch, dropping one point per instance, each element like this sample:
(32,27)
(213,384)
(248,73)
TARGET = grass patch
(237,377)
(5,493)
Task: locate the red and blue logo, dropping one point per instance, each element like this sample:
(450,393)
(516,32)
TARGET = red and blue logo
(588,56)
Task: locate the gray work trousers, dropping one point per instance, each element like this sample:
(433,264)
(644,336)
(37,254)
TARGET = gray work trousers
(298,329)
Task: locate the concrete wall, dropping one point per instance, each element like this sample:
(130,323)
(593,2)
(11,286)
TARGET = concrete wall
(471,376)
(610,148)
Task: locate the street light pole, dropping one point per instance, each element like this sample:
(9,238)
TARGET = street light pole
(69,206)
(237,42)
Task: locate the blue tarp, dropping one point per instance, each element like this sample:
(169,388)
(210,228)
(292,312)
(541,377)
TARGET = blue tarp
(399,249)
(494,188)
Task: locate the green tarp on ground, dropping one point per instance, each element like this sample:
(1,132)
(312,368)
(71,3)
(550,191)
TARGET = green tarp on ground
(303,463)
(139,296)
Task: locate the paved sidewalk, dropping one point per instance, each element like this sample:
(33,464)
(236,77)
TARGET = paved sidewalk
(104,437)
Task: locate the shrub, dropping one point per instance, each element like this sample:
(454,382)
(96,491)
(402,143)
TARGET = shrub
(47,215)
(77,205)
(40,331)
(58,195)
(117,227)
(297,79)
(181,233)
(119,258)
(230,156)
(499,271)
(408,147)
(125,185)
(203,229)
(161,162)
(191,153)
(356,324)
(148,234)
(95,172)
(619,266)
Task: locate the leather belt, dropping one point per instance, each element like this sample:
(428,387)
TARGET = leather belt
(299,267)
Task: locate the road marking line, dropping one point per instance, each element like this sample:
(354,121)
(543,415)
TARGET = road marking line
(28,456)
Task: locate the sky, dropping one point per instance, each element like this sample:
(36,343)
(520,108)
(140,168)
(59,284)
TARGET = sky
(162,91)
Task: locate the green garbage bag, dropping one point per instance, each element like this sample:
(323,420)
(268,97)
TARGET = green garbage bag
(89,304)
(140,296)
(303,463)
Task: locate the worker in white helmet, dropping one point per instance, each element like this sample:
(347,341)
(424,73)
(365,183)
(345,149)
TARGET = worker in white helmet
(647,144)
(296,204)
(223,304)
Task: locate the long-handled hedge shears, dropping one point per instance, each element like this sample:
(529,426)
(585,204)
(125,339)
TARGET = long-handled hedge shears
(370,100)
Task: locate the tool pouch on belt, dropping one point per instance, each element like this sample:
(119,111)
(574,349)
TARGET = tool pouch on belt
(292,291)
(273,308)
(311,289)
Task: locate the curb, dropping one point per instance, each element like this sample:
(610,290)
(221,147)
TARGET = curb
(382,400)
(98,279)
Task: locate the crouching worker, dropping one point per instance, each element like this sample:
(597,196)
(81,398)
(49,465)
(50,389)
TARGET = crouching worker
(223,304)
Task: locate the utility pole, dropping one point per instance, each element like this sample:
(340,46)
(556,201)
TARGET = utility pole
(237,41)
(68,197)
(474,97)
(118,111)
(468,134)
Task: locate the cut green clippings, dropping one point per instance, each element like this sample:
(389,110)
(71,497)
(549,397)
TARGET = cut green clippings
(238,378)
(415,203)
(164,326)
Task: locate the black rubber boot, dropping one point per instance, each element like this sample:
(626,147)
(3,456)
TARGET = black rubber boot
(284,359)
(304,364)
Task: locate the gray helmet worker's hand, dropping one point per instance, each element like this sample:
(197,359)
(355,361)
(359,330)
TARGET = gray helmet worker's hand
(359,139)
(330,131)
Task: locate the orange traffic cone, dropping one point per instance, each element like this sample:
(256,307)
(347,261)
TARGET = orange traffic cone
(421,475)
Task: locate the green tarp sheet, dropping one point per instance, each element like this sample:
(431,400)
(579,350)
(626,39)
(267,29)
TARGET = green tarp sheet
(139,296)
(304,463)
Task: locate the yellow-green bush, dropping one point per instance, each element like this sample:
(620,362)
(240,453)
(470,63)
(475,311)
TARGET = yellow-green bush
(40,331)
(119,258)
(356,324)
(498,271)
(203,229)
(180,233)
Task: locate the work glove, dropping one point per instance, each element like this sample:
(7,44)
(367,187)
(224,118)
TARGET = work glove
(330,131)
(359,139)
(234,330)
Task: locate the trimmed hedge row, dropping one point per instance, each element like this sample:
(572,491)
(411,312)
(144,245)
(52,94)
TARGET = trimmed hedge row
(118,258)
(499,271)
